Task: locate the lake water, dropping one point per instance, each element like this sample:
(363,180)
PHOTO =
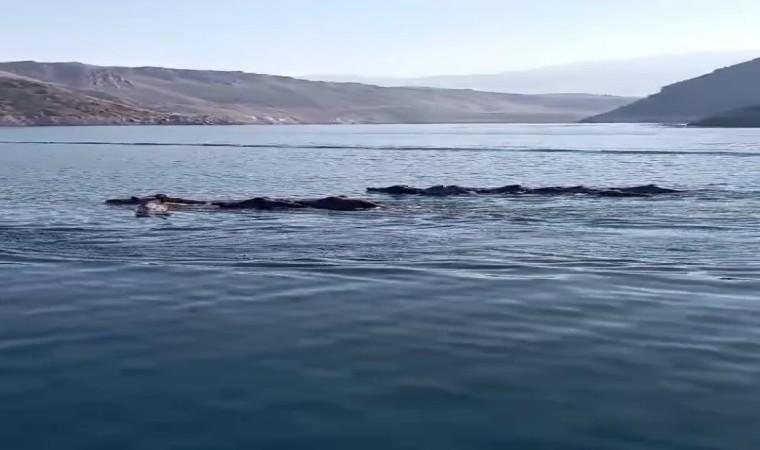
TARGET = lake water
(473,323)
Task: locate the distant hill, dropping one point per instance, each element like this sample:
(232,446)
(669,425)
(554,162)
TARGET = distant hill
(252,98)
(625,77)
(738,118)
(29,102)
(712,94)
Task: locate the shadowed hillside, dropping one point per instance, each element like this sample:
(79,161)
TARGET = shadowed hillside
(712,94)
(738,118)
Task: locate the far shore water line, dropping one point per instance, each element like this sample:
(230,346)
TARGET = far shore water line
(284,124)
(337,124)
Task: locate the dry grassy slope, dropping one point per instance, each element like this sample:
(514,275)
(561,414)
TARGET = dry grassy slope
(267,98)
(24,101)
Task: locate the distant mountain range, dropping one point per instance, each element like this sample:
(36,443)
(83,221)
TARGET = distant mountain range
(625,77)
(723,96)
(34,93)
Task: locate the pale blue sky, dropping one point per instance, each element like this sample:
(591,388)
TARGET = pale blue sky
(369,37)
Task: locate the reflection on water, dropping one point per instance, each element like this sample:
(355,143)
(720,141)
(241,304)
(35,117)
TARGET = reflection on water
(484,322)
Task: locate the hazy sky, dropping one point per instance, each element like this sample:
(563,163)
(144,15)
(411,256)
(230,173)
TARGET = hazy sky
(369,37)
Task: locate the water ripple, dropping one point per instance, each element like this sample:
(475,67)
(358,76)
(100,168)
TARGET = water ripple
(394,148)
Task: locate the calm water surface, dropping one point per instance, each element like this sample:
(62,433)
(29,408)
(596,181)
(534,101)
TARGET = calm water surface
(436,323)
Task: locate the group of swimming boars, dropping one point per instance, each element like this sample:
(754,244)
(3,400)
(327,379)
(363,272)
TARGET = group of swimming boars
(162,204)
